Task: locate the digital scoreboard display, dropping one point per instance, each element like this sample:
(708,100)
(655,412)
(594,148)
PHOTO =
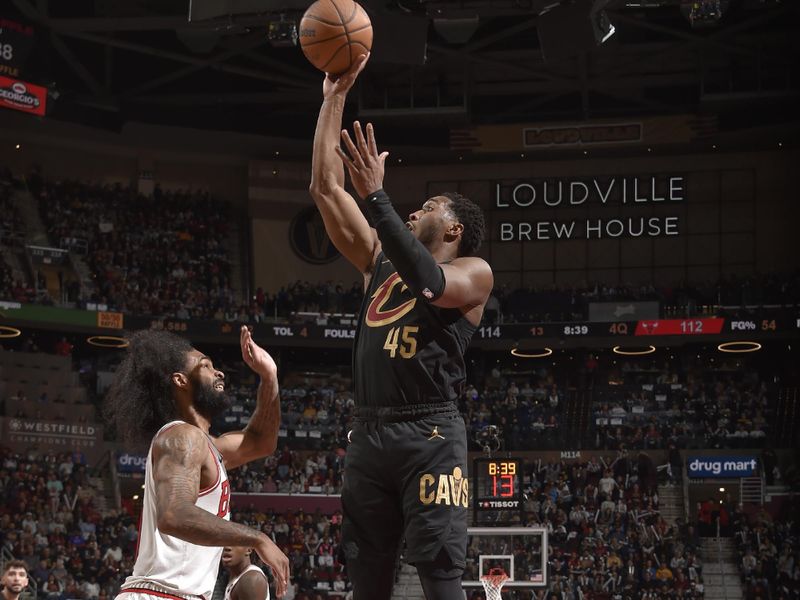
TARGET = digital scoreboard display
(497,490)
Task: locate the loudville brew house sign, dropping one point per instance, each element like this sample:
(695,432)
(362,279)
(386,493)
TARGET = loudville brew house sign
(620,195)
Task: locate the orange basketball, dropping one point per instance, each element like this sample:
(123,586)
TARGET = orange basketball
(333,33)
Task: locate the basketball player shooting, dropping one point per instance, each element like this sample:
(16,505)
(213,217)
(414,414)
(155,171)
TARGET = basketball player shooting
(168,392)
(405,472)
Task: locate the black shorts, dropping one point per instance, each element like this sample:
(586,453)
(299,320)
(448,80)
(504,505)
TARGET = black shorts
(406,477)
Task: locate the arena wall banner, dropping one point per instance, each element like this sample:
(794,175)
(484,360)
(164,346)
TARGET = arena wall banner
(722,466)
(128,462)
(671,129)
(23,96)
(56,436)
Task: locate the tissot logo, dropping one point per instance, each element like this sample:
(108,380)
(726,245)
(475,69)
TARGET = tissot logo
(309,239)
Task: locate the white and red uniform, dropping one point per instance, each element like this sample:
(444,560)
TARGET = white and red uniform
(232,583)
(169,567)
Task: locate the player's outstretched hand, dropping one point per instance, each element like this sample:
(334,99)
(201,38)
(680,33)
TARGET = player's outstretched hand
(362,159)
(341,84)
(255,356)
(277,561)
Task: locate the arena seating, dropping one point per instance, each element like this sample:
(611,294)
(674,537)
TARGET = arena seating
(13,282)
(767,550)
(644,404)
(168,262)
(311,541)
(52,517)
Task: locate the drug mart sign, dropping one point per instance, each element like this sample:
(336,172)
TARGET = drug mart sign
(729,467)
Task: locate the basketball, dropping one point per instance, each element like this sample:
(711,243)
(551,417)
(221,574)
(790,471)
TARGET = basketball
(333,33)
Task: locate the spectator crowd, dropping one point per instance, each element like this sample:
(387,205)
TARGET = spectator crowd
(685,403)
(607,538)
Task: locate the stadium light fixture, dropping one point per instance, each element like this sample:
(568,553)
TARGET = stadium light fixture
(739,347)
(633,351)
(108,341)
(546,352)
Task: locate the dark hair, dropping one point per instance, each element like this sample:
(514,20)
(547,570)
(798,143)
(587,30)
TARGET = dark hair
(15,564)
(140,400)
(470,216)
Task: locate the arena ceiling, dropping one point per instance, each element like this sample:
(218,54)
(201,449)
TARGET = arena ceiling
(436,65)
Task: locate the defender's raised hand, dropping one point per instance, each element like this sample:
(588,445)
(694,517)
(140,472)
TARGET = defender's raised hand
(255,356)
(362,160)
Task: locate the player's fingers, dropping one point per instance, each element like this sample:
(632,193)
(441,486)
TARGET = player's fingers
(382,157)
(360,140)
(357,66)
(281,573)
(371,143)
(287,574)
(357,159)
(243,340)
(351,168)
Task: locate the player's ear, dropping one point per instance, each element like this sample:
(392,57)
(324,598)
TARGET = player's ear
(455,230)
(180,380)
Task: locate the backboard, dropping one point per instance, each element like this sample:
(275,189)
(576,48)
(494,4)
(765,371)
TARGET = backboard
(520,551)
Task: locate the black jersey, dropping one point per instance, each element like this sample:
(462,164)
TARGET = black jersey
(407,351)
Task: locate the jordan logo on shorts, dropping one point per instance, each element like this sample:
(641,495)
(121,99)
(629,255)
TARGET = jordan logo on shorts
(435,434)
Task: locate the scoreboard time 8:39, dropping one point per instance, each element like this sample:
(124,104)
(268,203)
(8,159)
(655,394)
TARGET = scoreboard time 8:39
(497,490)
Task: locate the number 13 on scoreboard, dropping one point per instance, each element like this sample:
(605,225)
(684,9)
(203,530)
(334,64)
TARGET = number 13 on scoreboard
(503,486)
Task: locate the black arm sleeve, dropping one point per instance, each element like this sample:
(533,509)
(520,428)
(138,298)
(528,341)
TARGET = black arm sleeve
(415,264)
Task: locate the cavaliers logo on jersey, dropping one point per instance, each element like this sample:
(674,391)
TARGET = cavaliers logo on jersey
(387,305)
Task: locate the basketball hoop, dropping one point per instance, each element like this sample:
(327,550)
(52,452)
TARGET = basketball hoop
(493,583)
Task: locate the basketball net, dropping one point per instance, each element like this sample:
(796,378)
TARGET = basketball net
(493,583)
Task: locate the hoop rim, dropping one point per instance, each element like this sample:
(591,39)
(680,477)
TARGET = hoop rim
(496,579)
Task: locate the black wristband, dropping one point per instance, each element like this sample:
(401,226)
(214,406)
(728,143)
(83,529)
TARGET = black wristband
(415,264)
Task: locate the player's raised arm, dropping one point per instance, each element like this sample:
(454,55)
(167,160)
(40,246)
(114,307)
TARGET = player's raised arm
(344,221)
(178,456)
(260,437)
(464,282)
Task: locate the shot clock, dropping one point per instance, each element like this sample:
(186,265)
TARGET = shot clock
(497,495)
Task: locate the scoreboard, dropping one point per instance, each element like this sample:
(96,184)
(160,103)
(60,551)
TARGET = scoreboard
(497,491)
(696,326)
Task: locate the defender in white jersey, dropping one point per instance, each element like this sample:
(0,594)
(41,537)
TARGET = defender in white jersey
(168,392)
(247,581)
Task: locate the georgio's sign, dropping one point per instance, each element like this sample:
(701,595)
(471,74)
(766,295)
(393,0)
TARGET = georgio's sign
(721,466)
(22,96)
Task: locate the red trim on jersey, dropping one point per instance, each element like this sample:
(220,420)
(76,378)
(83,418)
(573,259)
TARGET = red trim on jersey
(207,490)
(154,593)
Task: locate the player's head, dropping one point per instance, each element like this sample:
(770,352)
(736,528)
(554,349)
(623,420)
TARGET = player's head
(15,576)
(235,557)
(160,379)
(450,218)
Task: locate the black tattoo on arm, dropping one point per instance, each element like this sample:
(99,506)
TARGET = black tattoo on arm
(178,457)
